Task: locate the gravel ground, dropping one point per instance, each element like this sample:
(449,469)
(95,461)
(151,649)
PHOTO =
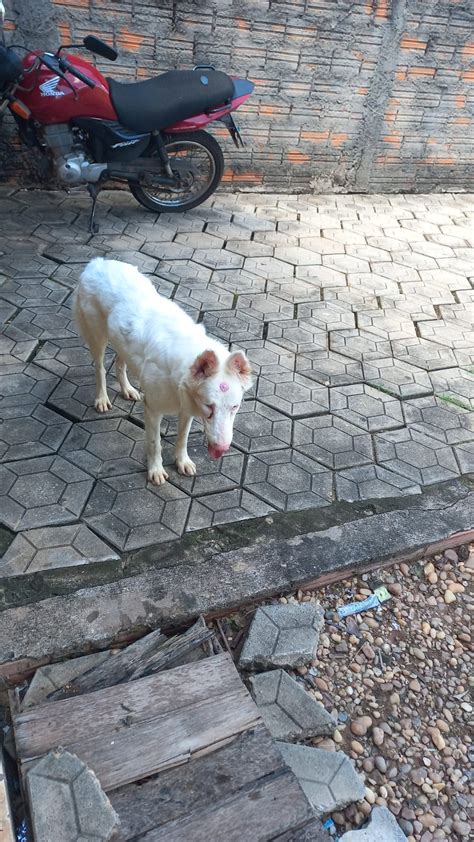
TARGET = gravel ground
(398,682)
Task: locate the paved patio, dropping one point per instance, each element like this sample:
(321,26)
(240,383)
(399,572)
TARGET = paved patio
(357,315)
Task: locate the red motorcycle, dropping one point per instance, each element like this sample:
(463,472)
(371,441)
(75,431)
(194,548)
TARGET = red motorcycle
(148,134)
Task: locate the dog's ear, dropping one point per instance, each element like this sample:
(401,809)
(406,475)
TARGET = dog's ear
(205,365)
(238,364)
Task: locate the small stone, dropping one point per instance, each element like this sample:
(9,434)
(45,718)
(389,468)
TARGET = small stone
(370,795)
(357,747)
(451,555)
(414,685)
(437,739)
(395,589)
(449,597)
(377,736)
(381,764)
(360,726)
(429,568)
(368,651)
(463,829)
(456,587)
(418,653)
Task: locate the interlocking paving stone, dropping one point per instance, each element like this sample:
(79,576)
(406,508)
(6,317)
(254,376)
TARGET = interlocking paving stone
(268,267)
(328,778)
(366,407)
(282,636)
(298,335)
(33,292)
(23,384)
(212,476)
(367,481)
(218,259)
(258,427)
(42,492)
(397,378)
(418,307)
(288,480)
(329,368)
(106,447)
(54,676)
(333,442)
(289,712)
(129,512)
(265,306)
(15,346)
(267,357)
(454,335)
(444,278)
(441,419)
(355,299)
(226,507)
(292,394)
(465,456)
(25,264)
(295,291)
(297,256)
(372,282)
(66,801)
(31,430)
(184,272)
(418,457)
(456,384)
(329,315)
(207,297)
(56,546)
(388,324)
(459,313)
(233,326)
(47,322)
(321,276)
(382,826)
(358,344)
(423,353)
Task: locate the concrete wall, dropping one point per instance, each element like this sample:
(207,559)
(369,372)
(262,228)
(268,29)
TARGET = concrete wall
(351,95)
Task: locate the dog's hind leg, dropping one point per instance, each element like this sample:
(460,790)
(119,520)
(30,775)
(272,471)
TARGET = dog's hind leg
(126,388)
(184,464)
(156,473)
(94,332)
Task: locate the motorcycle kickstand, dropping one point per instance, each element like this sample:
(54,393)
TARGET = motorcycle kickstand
(93,193)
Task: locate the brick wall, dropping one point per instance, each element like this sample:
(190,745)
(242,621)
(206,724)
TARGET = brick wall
(351,95)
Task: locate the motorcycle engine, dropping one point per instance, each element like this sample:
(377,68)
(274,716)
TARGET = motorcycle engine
(71,164)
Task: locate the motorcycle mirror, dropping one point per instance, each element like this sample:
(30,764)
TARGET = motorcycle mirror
(95,45)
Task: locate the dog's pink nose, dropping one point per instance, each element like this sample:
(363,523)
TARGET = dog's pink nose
(217,450)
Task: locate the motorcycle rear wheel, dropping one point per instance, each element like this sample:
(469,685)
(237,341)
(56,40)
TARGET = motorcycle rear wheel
(207,162)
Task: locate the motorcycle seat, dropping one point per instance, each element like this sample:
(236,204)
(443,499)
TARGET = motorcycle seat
(159,102)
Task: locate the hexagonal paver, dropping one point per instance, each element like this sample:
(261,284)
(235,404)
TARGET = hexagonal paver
(298,335)
(462,313)
(207,297)
(321,276)
(423,353)
(289,712)
(24,264)
(63,793)
(268,267)
(366,407)
(31,430)
(183,272)
(288,480)
(293,394)
(455,384)
(297,256)
(219,259)
(295,291)
(322,245)
(333,442)
(397,378)
(212,476)
(465,456)
(329,368)
(416,456)
(42,492)
(249,248)
(47,322)
(226,507)
(129,512)
(445,278)
(233,326)
(328,778)
(282,636)
(416,306)
(23,384)
(266,357)
(443,420)
(346,263)
(238,282)
(258,427)
(265,306)
(454,335)
(358,344)
(388,324)
(372,481)
(106,447)
(329,315)
(55,546)
(397,271)
(372,282)
(34,292)
(353,298)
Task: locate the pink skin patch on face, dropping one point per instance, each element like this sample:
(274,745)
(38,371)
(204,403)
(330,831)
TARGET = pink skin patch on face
(224,387)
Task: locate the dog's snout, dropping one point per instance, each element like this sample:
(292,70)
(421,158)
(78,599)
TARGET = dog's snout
(217,450)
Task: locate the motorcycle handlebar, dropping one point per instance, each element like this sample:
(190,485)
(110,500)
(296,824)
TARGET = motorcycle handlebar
(66,65)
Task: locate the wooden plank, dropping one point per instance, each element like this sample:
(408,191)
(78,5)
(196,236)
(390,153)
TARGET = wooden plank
(200,783)
(138,729)
(149,654)
(260,811)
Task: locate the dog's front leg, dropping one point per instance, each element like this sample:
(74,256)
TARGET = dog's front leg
(184,464)
(156,473)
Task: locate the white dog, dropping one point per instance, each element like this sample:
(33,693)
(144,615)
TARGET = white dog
(180,370)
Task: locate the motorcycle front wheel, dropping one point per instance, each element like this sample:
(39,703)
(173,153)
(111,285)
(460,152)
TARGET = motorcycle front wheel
(198,159)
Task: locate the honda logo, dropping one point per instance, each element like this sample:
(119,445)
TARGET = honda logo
(49,88)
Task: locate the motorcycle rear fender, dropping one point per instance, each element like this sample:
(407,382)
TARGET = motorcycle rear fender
(109,141)
(242,90)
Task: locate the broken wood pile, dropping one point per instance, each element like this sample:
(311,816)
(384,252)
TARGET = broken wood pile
(173,737)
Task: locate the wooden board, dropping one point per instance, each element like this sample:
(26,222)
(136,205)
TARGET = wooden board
(241,791)
(128,732)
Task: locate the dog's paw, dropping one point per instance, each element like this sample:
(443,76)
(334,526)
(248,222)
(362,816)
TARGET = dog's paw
(186,467)
(157,476)
(131,394)
(102,404)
